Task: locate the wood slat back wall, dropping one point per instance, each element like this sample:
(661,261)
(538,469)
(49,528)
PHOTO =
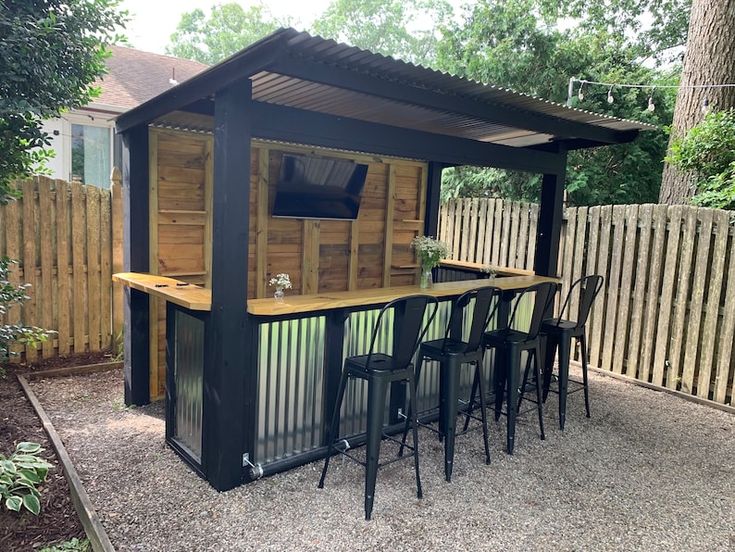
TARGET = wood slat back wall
(318,255)
(666,315)
(61,236)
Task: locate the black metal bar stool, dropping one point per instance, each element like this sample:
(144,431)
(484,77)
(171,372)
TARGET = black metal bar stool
(559,333)
(380,370)
(511,343)
(452,353)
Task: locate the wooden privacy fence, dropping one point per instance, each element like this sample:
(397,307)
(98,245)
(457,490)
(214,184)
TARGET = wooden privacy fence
(61,234)
(666,314)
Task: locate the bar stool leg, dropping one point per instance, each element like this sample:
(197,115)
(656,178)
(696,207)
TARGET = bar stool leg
(513,359)
(525,379)
(412,404)
(550,353)
(471,405)
(539,401)
(483,413)
(334,426)
(450,376)
(377,392)
(413,407)
(583,347)
(565,341)
(500,369)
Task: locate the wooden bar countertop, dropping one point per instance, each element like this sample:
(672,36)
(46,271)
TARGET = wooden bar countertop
(479,267)
(200,299)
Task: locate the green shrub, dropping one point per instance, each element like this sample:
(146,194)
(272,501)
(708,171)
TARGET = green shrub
(73,545)
(20,476)
(708,150)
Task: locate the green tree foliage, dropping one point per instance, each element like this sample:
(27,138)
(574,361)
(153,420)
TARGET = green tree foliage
(708,150)
(227,29)
(521,44)
(51,53)
(389,27)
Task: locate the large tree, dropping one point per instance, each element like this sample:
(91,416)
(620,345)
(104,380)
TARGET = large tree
(709,59)
(389,27)
(523,44)
(51,53)
(227,29)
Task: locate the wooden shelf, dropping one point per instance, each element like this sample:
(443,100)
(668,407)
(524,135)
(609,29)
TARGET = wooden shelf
(417,221)
(179,274)
(181,212)
(405,266)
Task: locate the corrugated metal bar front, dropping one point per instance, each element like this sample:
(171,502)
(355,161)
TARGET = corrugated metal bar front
(290,380)
(188,374)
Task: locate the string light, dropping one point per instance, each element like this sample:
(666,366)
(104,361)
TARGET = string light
(610,98)
(705,106)
(651,106)
(580,95)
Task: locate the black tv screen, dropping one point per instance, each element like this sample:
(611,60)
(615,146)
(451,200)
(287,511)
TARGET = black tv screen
(319,187)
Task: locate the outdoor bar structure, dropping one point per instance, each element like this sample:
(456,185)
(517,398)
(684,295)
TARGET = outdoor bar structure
(250,382)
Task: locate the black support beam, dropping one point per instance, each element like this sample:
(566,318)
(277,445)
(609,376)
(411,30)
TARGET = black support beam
(433,198)
(136,340)
(548,230)
(273,122)
(230,373)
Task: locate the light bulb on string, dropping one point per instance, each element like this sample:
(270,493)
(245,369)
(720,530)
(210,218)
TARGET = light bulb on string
(610,98)
(580,94)
(651,106)
(705,106)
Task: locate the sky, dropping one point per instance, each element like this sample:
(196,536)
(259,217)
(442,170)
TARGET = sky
(153,21)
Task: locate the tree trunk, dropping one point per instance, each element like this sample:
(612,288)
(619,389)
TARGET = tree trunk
(709,59)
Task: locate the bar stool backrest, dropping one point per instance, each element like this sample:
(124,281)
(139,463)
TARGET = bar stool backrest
(545,292)
(410,326)
(589,287)
(481,314)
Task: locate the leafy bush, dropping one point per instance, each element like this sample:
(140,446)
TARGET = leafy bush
(73,545)
(10,295)
(20,475)
(708,150)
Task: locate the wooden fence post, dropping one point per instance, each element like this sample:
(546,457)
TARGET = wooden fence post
(117,255)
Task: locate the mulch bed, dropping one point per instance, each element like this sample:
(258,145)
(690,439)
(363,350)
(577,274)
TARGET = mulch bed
(58,521)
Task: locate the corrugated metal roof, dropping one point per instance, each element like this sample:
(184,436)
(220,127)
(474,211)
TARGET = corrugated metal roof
(311,73)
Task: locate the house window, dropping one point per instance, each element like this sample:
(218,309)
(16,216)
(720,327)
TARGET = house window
(90,154)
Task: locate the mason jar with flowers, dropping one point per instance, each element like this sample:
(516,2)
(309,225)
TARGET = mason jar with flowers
(281,282)
(429,253)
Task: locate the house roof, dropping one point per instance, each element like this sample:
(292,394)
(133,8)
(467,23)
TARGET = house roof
(135,77)
(295,71)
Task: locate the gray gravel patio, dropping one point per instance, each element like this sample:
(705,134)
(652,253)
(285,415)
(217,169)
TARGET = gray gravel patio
(648,471)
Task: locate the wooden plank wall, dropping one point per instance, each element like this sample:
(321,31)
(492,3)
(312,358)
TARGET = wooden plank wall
(666,314)
(61,235)
(319,255)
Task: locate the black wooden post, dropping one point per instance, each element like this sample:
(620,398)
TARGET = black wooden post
(551,213)
(433,197)
(230,375)
(135,259)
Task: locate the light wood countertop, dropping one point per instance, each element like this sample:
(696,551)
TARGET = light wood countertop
(198,298)
(479,267)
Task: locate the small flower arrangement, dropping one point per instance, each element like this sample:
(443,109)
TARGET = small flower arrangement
(429,253)
(281,281)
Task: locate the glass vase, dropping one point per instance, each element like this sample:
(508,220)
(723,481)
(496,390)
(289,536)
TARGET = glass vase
(278,295)
(426,280)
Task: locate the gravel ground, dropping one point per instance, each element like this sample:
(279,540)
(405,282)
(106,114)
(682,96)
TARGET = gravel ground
(647,472)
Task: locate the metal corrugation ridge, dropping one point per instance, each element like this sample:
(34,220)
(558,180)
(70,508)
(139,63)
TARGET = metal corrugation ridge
(328,51)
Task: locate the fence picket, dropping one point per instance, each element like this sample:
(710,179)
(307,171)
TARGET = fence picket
(505,236)
(683,370)
(645,214)
(46,225)
(578,261)
(651,318)
(29,262)
(591,259)
(13,251)
(497,231)
(481,230)
(626,288)
(77,256)
(532,237)
(93,266)
(661,367)
(522,249)
(721,226)
(513,246)
(62,266)
(603,259)
(618,221)
(726,336)
(105,270)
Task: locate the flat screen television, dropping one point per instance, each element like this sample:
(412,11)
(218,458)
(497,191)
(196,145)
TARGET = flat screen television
(314,187)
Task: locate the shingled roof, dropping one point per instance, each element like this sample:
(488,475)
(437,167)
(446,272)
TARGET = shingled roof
(135,76)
